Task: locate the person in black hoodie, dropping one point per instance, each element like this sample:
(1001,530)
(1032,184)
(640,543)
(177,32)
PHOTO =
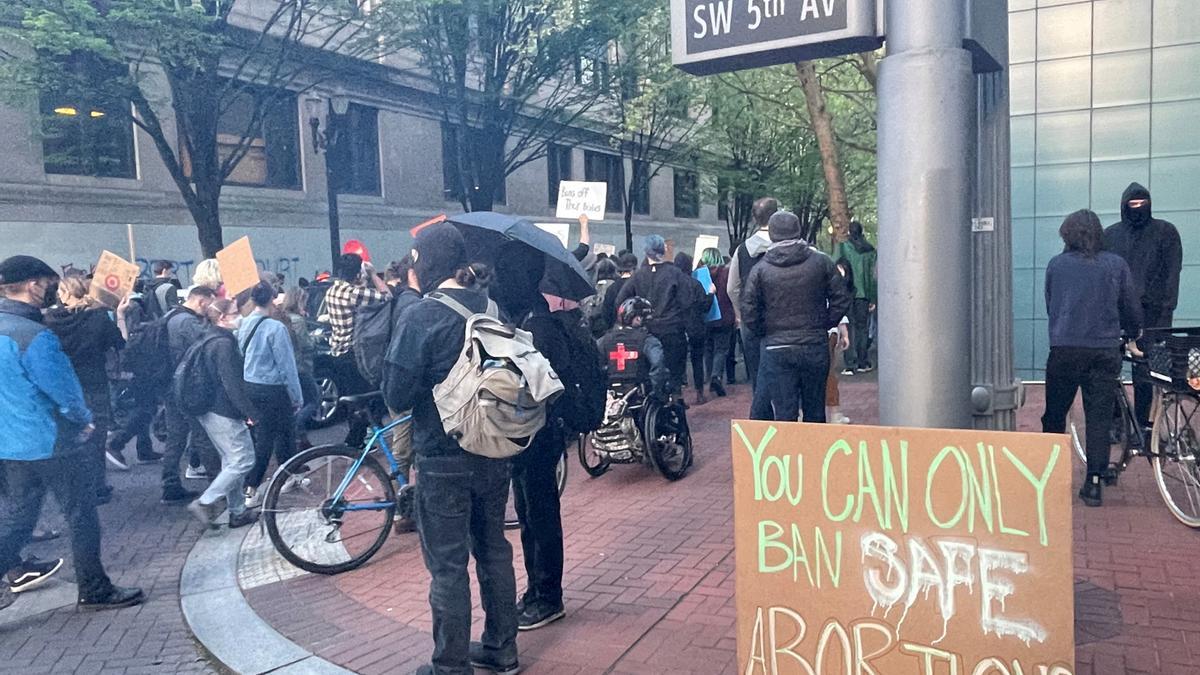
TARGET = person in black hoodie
(1154,253)
(460,497)
(161,292)
(790,302)
(672,294)
(696,332)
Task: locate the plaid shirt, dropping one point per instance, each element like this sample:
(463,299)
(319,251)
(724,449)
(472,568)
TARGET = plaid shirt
(341,302)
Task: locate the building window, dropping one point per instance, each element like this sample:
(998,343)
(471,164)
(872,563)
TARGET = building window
(451,184)
(86,134)
(271,143)
(687,194)
(639,191)
(558,169)
(355,156)
(600,167)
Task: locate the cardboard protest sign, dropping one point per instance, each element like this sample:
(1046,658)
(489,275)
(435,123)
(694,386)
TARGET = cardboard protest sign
(562,231)
(112,279)
(702,242)
(239,270)
(887,550)
(576,198)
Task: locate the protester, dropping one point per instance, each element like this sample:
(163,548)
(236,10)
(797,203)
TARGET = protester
(630,343)
(138,399)
(226,419)
(44,428)
(406,294)
(700,303)
(839,342)
(356,285)
(790,302)
(208,274)
(89,337)
(861,257)
(672,294)
(293,313)
(519,272)
(718,340)
(1091,296)
(593,306)
(162,292)
(627,264)
(272,383)
(185,325)
(1154,253)
(747,256)
(461,497)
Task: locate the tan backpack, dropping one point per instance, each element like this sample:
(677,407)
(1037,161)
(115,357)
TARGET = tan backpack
(495,399)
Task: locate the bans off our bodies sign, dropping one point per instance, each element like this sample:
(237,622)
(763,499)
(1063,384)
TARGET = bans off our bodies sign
(882,551)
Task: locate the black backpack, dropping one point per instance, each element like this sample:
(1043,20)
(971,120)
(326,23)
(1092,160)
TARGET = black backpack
(373,325)
(196,382)
(148,352)
(586,379)
(593,309)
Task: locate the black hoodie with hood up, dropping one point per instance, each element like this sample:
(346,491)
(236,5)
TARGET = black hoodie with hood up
(1152,249)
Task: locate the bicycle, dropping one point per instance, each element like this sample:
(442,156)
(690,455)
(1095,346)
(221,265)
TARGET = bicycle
(1173,444)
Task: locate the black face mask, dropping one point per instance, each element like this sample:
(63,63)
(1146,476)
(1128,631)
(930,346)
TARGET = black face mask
(1139,216)
(50,296)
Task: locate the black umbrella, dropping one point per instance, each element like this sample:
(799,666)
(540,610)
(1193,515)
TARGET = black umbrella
(486,231)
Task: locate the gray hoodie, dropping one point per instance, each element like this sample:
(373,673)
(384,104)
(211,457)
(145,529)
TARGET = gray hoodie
(756,246)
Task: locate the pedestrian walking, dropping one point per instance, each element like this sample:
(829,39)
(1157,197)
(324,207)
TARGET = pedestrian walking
(701,302)
(45,425)
(1091,298)
(137,398)
(184,326)
(790,302)
(672,294)
(747,256)
(1154,252)
(460,497)
(719,331)
(405,294)
(861,257)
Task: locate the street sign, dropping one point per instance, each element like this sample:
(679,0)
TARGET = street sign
(902,550)
(715,36)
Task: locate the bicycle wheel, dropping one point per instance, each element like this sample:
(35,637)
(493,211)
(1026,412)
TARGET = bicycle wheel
(511,521)
(669,441)
(1175,443)
(318,533)
(593,462)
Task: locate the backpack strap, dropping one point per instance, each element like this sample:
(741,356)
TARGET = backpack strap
(249,338)
(461,309)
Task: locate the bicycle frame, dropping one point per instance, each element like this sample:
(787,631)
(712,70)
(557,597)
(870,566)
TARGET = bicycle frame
(377,436)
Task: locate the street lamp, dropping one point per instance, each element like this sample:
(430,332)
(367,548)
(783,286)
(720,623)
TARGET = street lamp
(334,111)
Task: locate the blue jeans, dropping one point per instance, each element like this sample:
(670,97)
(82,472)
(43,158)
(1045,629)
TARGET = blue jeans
(760,401)
(792,377)
(460,503)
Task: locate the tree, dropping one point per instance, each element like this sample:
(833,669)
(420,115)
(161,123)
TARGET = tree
(176,68)
(507,78)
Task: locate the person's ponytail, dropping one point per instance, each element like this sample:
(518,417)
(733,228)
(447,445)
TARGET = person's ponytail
(473,276)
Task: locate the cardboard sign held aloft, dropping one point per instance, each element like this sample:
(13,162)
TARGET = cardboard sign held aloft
(702,242)
(908,550)
(561,231)
(576,198)
(113,279)
(239,270)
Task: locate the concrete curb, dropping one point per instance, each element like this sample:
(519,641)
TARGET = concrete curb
(224,623)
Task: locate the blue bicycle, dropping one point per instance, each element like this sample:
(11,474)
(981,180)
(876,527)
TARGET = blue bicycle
(330,508)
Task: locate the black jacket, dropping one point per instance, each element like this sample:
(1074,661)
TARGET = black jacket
(794,296)
(610,302)
(672,293)
(222,355)
(87,336)
(1152,249)
(156,292)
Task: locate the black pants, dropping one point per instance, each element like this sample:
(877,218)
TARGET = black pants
(138,405)
(735,342)
(67,477)
(675,353)
(696,338)
(1095,371)
(793,378)
(351,383)
(751,349)
(460,502)
(859,354)
(717,345)
(274,431)
(182,430)
(1143,394)
(535,492)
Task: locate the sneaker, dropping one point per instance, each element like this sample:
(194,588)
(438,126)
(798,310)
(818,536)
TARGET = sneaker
(254,498)
(840,419)
(195,473)
(245,518)
(482,657)
(866,369)
(149,457)
(1090,493)
(537,614)
(31,573)
(718,388)
(116,598)
(116,459)
(293,483)
(176,494)
(205,513)
(849,372)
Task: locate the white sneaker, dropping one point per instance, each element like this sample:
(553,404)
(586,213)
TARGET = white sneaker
(840,419)
(253,498)
(293,483)
(195,473)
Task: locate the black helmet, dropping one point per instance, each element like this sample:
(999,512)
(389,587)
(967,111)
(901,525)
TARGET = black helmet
(633,309)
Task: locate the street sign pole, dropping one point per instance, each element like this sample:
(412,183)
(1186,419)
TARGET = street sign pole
(926,145)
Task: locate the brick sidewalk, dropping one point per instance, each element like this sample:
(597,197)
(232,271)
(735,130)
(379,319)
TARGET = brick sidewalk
(649,576)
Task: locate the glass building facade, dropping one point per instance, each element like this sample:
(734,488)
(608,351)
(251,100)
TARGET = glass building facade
(1104,93)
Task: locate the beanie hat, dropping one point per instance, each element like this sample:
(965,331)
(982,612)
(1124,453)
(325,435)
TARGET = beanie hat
(20,268)
(438,252)
(783,226)
(655,247)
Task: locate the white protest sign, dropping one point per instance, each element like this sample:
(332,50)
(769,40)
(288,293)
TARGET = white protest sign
(576,198)
(702,242)
(560,230)
(607,249)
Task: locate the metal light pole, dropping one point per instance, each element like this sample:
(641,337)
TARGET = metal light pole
(926,145)
(327,140)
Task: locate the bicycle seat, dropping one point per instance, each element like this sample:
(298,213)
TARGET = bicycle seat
(361,400)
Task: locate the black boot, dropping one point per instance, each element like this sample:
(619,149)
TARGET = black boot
(1090,493)
(717,387)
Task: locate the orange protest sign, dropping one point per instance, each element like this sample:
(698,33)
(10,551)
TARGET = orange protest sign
(889,550)
(239,270)
(113,279)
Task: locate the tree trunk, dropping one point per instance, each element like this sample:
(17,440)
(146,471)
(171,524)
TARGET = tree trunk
(206,214)
(822,123)
(629,221)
